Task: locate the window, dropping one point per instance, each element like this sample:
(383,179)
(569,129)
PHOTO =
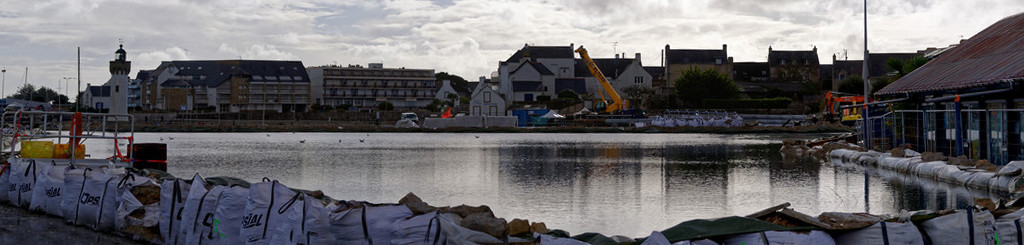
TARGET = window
(782,62)
(487,97)
(718,61)
(493,111)
(117,89)
(638,80)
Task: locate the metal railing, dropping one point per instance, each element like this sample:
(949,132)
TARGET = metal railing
(991,134)
(35,125)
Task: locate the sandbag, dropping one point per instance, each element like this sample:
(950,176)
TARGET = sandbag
(268,203)
(98,201)
(415,230)
(783,237)
(72,199)
(550,240)
(23,178)
(201,229)
(5,183)
(308,224)
(883,233)
(138,210)
(46,195)
(190,212)
(963,227)
(372,224)
(697,242)
(227,219)
(1010,231)
(980,181)
(173,194)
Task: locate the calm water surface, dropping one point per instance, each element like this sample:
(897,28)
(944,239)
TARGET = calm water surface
(625,184)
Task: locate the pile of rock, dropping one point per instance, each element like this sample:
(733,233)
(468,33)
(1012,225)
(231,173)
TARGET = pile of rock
(479,218)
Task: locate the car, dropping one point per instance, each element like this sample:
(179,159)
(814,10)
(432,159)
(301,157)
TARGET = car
(411,116)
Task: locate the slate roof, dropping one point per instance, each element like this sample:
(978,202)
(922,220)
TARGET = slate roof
(612,68)
(142,75)
(850,66)
(775,56)
(542,52)
(695,56)
(216,72)
(537,66)
(578,85)
(657,72)
(992,56)
(99,91)
(527,86)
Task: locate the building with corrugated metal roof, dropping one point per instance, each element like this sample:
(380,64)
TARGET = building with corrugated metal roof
(967,101)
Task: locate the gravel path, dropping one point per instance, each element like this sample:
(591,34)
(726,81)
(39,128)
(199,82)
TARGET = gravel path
(19,226)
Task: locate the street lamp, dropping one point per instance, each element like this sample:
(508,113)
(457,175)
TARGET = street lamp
(66,87)
(3,73)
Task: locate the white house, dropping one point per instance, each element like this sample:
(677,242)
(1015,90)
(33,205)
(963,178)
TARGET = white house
(445,90)
(96,97)
(486,101)
(532,71)
(620,72)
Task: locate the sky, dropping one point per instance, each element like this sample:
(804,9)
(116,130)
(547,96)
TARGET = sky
(462,37)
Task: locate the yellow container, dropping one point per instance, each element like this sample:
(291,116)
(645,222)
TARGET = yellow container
(63,151)
(37,149)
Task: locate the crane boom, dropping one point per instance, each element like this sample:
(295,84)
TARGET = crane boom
(618,103)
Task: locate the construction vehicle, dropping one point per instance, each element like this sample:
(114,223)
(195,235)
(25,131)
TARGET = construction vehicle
(835,100)
(617,105)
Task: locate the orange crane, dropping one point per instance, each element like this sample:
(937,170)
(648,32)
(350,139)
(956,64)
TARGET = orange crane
(617,103)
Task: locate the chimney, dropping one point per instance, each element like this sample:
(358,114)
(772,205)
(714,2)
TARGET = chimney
(725,47)
(616,56)
(637,56)
(447,83)
(769,48)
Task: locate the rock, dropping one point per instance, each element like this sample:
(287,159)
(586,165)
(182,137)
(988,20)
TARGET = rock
(486,223)
(987,203)
(409,198)
(539,227)
(419,208)
(518,226)
(986,165)
(464,211)
(932,157)
(898,152)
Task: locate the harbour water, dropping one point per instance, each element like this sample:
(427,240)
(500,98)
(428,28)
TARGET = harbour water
(622,184)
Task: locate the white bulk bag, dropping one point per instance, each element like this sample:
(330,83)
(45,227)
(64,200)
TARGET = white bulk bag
(173,194)
(140,228)
(227,219)
(415,230)
(883,233)
(963,227)
(71,199)
(190,210)
(697,242)
(783,237)
(308,224)
(46,195)
(1010,231)
(367,224)
(23,178)
(979,181)
(550,240)
(98,201)
(5,183)
(201,228)
(268,203)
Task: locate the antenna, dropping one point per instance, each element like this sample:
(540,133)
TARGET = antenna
(615,46)
(120,41)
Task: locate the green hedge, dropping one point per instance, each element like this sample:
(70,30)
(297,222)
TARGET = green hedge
(772,103)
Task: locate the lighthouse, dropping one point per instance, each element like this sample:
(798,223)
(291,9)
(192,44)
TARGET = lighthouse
(118,83)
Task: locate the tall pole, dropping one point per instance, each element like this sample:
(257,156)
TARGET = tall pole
(28,96)
(3,83)
(865,113)
(77,102)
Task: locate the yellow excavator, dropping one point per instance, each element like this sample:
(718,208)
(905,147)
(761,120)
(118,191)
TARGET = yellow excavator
(617,105)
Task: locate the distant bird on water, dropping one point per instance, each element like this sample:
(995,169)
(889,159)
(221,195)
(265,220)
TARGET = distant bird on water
(361,140)
(161,138)
(302,141)
(477,136)
(339,140)
(171,138)
(268,135)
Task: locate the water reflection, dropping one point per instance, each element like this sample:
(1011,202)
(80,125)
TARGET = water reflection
(626,184)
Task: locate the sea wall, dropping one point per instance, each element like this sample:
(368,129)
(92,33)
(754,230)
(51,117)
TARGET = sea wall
(1005,180)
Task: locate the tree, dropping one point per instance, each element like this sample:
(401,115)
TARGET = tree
(41,94)
(638,95)
(386,106)
(696,85)
(568,94)
(905,66)
(458,83)
(852,85)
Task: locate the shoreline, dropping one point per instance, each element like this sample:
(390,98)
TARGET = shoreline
(379,129)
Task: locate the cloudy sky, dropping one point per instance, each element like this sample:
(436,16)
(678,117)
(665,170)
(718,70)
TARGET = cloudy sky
(464,37)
